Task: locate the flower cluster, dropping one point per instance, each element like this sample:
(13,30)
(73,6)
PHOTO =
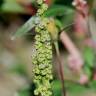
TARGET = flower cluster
(81,6)
(43,58)
(79,2)
(42,7)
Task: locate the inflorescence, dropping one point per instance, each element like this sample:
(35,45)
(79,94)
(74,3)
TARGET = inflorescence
(43,58)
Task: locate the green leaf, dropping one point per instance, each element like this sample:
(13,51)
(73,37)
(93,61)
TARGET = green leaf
(87,71)
(56,86)
(74,89)
(25,28)
(89,56)
(58,23)
(93,84)
(12,7)
(58,10)
(24,91)
(18,69)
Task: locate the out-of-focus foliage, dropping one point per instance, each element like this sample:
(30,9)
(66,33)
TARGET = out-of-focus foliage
(64,2)
(89,56)
(73,89)
(24,91)
(18,69)
(58,10)
(11,6)
(56,88)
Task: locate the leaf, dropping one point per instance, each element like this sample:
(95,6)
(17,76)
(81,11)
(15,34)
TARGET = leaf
(74,89)
(18,69)
(93,84)
(25,28)
(89,56)
(12,7)
(58,23)
(56,86)
(58,10)
(87,71)
(24,91)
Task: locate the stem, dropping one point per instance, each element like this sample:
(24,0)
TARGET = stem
(70,46)
(60,68)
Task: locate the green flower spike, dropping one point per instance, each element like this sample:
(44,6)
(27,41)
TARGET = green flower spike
(43,58)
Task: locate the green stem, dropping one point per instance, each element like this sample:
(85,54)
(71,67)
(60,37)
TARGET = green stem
(60,68)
